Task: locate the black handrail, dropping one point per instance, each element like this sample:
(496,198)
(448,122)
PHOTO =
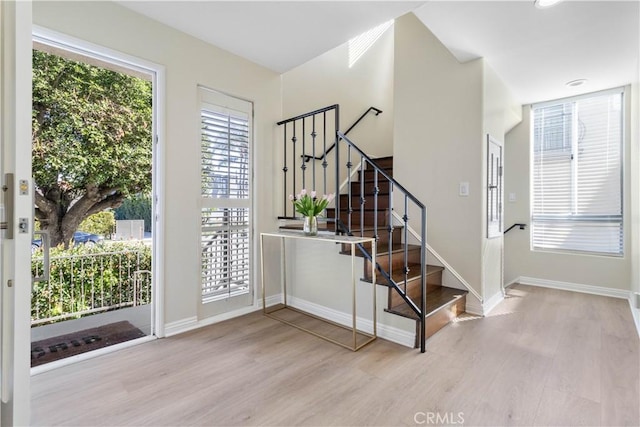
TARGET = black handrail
(324,155)
(394,185)
(522,227)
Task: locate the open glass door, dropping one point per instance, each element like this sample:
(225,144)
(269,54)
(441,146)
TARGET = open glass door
(17,209)
(92,162)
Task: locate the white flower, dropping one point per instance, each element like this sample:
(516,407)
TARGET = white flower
(303,192)
(291,197)
(313,194)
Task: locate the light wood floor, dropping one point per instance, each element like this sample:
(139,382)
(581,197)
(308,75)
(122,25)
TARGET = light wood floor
(543,357)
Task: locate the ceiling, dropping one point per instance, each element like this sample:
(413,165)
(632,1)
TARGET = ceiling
(534,51)
(277,35)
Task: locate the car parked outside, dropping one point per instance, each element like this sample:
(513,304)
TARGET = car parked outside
(79,237)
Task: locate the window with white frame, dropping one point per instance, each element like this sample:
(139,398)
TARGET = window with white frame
(225,138)
(577,174)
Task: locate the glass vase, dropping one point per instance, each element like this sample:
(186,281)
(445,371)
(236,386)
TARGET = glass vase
(310,227)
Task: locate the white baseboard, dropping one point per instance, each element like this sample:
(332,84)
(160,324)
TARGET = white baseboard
(473,306)
(635,312)
(477,308)
(180,326)
(491,303)
(191,323)
(386,332)
(576,287)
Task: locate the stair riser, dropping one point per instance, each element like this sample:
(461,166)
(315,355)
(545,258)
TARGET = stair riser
(369,199)
(383,186)
(397,261)
(383,217)
(383,237)
(442,317)
(384,162)
(434,281)
(369,174)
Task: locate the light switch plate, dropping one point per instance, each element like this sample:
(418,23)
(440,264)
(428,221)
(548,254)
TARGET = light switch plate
(464,189)
(512,197)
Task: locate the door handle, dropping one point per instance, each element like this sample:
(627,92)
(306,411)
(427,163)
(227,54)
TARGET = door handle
(7,196)
(46,249)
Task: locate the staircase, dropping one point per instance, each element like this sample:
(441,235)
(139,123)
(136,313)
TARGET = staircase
(443,304)
(373,205)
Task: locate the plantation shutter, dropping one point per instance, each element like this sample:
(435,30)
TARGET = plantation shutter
(577,174)
(225,188)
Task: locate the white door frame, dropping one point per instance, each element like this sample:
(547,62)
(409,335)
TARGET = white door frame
(91,50)
(15,281)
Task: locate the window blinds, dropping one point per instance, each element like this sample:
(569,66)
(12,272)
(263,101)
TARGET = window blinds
(577,174)
(225,133)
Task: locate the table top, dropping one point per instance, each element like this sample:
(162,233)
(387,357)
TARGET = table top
(326,237)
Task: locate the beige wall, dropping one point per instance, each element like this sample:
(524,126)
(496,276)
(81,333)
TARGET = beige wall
(188,62)
(500,113)
(520,260)
(438,142)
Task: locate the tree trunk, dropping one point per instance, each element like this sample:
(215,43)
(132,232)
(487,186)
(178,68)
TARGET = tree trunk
(60,214)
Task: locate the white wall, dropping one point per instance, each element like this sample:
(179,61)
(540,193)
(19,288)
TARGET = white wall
(520,260)
(328,80)
(188,62)
(500,113)
(438,134)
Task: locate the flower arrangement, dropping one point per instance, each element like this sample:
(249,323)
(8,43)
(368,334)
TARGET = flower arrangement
(308,204)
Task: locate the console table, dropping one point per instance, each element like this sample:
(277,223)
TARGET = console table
(272,311)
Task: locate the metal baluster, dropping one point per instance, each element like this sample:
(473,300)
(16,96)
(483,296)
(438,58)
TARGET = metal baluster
(303,166)
(313,149)
(362,199)
(337,129)
(284,171)
(406,241)
(349,165)
(376,190)
(293,140)
(324,150)
(423,277)
(390,190)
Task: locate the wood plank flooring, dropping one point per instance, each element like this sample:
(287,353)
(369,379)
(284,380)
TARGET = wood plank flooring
(543,357)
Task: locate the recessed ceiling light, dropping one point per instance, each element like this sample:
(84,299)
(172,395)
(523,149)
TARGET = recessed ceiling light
(574,83)
(543,4)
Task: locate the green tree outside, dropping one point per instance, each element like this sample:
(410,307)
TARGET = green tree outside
(92,141)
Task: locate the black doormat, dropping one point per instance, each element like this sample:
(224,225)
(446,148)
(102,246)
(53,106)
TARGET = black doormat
(62,346)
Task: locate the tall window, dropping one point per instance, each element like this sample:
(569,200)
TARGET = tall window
(225,134)
(577,174)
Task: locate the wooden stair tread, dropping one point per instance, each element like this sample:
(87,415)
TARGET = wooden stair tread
(398,275)
(436,299)
(383,249)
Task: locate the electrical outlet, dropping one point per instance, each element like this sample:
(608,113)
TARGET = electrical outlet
(512,197)
(464,189)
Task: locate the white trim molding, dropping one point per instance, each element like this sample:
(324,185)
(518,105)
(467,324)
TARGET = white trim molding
(477,308)
(575,287)
(191,323)
(491,303)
